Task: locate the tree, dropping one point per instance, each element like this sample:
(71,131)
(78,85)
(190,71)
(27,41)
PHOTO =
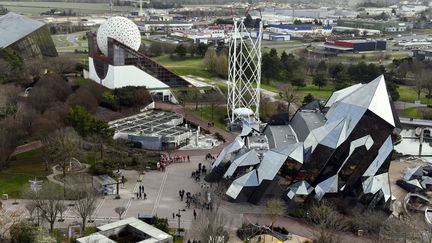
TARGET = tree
(82,121)
(181,51)
(298,81)
(308,98)
(31,207)
(270,67)
(156,48)
(133,96)
(61,207)
(62,146)
(248,21)
(9,97)
(422,77)
(7,221)
(210,60)
(47,201)
(320,80)
(192,49)
(61,65)
(85,204)
(201,49)
(26,232)
(286,93)
(210,226)
(222,66)
(275,208)
(335,70)
(120,211)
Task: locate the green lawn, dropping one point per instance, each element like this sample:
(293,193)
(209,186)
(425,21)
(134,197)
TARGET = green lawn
(409,94)
(417,112)
(204,112)
(15,178)
(323,94)
(187,66)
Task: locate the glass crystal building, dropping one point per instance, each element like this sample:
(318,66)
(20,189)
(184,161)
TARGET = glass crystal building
(26,37)
(343,151)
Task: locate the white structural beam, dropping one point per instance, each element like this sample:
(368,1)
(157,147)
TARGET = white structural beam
(244,71)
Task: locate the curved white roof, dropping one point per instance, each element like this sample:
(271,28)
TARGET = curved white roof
(243,112)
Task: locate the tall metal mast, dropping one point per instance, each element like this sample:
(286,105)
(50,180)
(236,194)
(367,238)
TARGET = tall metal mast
(244,72)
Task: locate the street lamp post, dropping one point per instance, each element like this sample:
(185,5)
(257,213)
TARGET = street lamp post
(179,216)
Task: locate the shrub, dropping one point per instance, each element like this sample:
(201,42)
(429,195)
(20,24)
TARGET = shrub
(89,231)
(247,231)
(220,137)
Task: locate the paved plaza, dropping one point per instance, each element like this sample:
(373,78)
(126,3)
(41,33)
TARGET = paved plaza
(163,200)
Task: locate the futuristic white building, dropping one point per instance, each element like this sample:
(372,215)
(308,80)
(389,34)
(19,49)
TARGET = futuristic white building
(114,61)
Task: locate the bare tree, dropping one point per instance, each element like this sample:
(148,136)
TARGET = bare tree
(9,96)
(286,93)
(211,60)
(120,211)
(326,216)
(61,147)
(275,208)
(61,65)
(85,204)
(61,207)
(47,201)
(31,207)
(210,226)
(7,220)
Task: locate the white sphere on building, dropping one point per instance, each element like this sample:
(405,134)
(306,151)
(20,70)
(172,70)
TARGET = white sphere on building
(122,30)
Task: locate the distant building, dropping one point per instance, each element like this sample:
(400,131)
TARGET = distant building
(422,55)
(149,26)
(381,25)
(127,230)
(355,45)
(301,30)
(26,37)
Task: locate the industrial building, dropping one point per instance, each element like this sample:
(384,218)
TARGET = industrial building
(154,129)
(359,45)
(165,26)
(26,37)
(341,152)
(300,30)
(422,55)
(381,25)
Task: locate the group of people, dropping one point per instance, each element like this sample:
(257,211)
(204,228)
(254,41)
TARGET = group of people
(196,175)
(210,157)
(141,194)
(166,160)
(194,241)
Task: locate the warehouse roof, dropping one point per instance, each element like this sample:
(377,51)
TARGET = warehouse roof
(14,27)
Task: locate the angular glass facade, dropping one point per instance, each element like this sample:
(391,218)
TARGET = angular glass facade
(346,154)
(35,45)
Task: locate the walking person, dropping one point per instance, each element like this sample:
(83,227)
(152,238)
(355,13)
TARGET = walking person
(194,214)
(145,196)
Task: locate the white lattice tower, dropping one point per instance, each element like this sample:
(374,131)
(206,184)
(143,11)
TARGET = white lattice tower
(244,72)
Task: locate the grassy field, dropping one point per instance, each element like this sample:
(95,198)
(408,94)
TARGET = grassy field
(70,42)
(35,8)
(205,113)
(417,112)
(409,94)
(323,94)
(186,66)
(15,178)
